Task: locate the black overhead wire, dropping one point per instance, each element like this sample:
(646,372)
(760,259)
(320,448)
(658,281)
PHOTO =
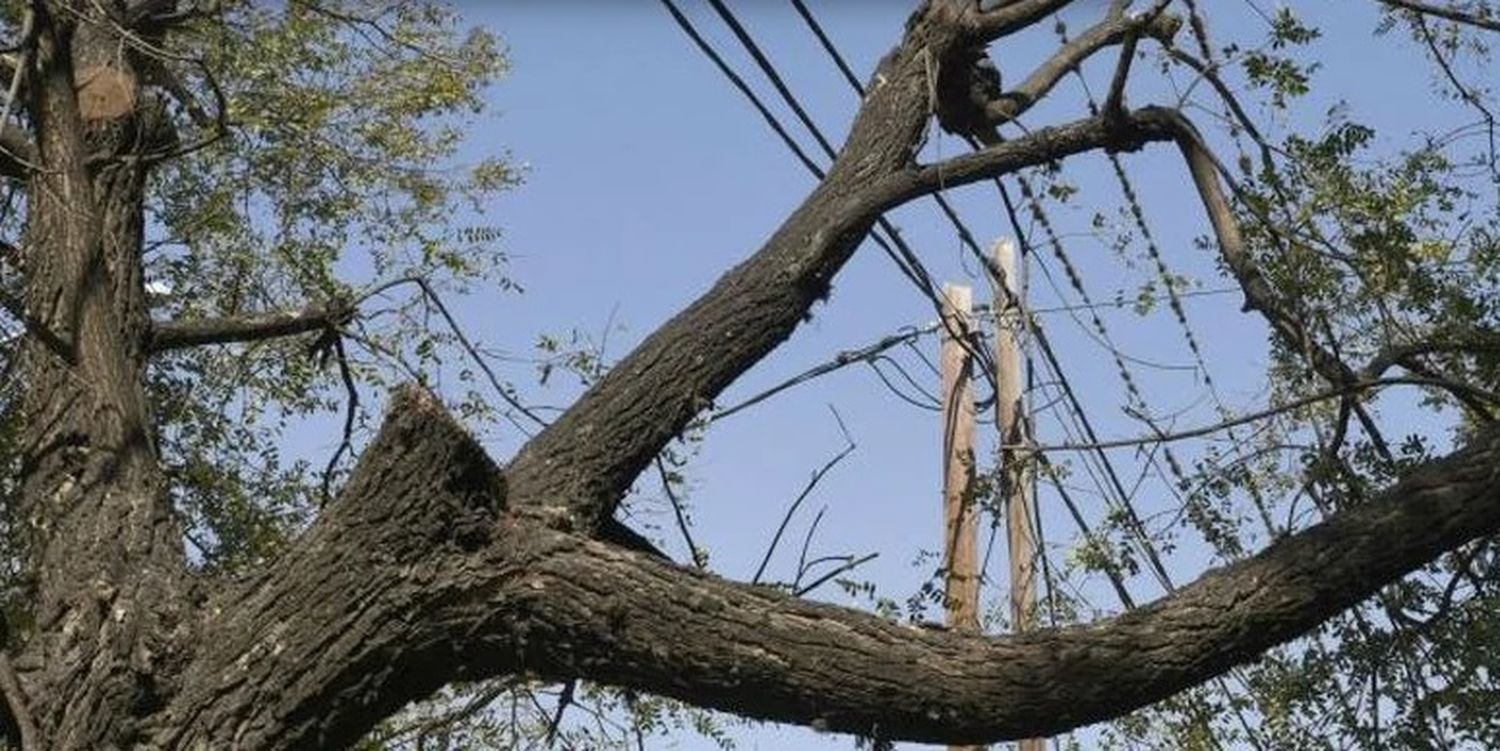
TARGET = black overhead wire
(903,259)
(911,266)
(901,255)
(828,46)
(1131,196)
(1054,365)
(739,83)
(1135,525)
(766,67)
(1200,34)
(899,251)
(1138,529)
(1132,517)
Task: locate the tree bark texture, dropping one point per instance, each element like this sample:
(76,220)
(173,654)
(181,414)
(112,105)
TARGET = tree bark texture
(436,564)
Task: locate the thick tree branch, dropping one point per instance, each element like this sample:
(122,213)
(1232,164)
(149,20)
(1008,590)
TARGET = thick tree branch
(762,654)
(434,566)
(576,470)
(1447,13)
(971,102)
(362,615)
(1282,314)
(418,577)
(1127,133)
(1012,17)
(246,328)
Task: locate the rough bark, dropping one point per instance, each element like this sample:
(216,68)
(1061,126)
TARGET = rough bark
(405,585)
(105,550)
(246,328)
(361,617)
(434,565)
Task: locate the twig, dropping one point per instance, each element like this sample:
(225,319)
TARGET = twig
(792,509)
(463,341)
(346,443)
(21,62)
(802,564)
(850,566)
(33,325)
(469,709)
(563,700)
(19,150)
(699,560)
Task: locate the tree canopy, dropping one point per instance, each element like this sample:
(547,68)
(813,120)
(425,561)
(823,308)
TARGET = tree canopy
(227,222)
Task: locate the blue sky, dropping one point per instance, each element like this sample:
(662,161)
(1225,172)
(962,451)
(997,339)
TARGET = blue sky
(648,176)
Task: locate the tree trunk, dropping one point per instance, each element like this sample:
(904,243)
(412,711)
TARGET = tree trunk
(104,547)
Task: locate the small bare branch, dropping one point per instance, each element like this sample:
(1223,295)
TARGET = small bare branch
(700,559)
(791,510)
(463,339)
(849,565)
(351,408)
(170,335)
(17,152)
(563,700)
(61,347)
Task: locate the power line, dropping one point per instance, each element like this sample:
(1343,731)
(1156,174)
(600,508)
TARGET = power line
(895,247)
(968,240)
(739,83)
(1050,357)
(828,46)
(918,275)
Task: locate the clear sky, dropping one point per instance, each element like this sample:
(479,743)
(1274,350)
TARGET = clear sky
(649,176)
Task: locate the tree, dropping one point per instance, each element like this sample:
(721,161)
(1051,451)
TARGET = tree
(434,564)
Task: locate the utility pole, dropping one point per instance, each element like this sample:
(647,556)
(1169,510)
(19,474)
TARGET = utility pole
(1015,463)
(960,515)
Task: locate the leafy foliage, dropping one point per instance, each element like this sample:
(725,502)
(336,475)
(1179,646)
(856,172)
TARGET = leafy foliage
(339,164)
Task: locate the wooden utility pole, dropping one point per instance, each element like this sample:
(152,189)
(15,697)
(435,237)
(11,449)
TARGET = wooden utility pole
(960,516)
(1015,465)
